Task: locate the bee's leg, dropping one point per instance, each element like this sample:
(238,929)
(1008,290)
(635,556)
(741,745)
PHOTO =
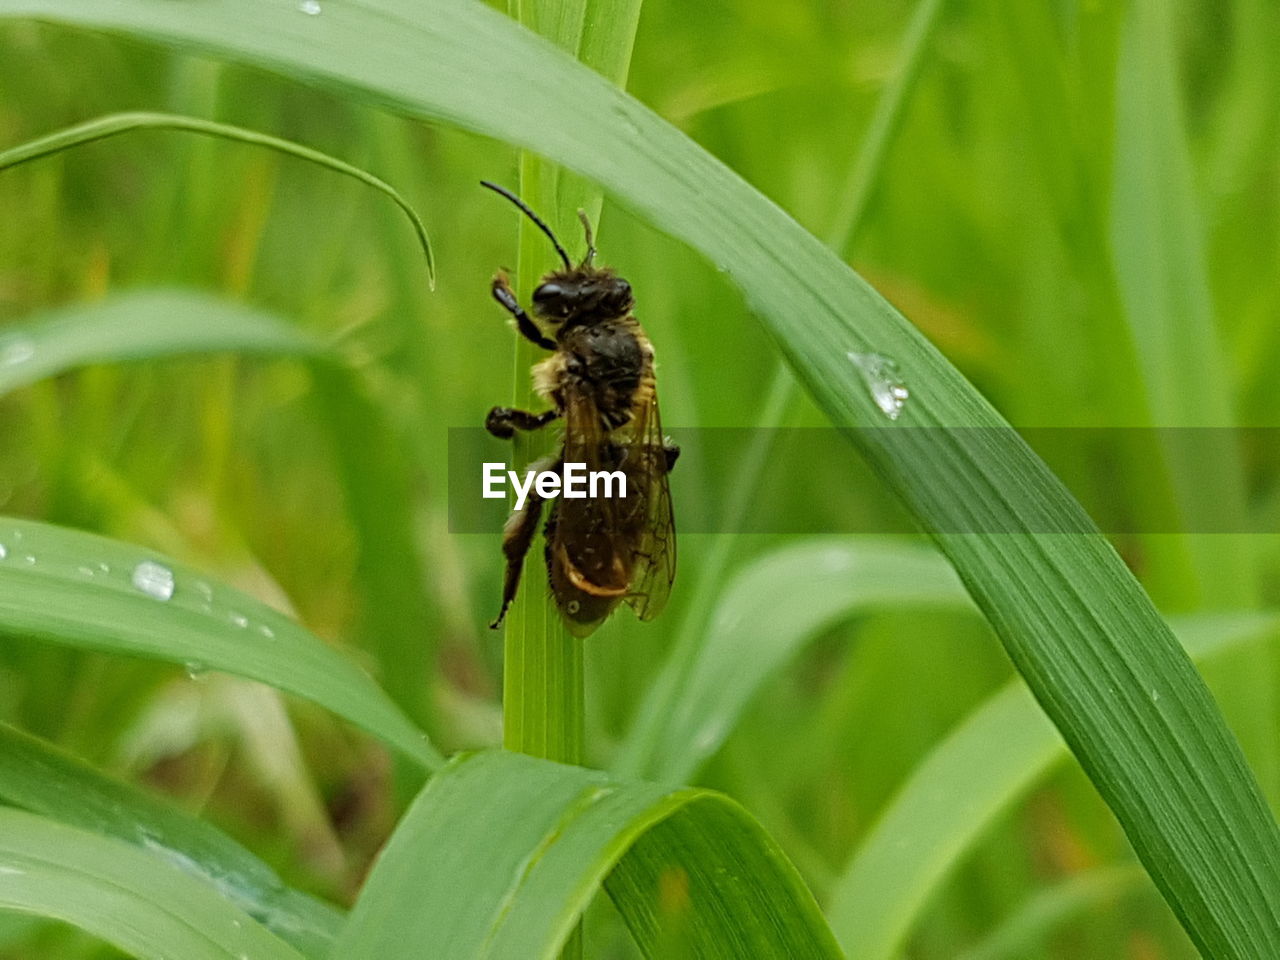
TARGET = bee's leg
(528,329)
(503,422)
(517,536)
(672,453)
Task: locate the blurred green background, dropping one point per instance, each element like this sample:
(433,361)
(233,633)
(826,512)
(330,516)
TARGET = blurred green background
(1002,223)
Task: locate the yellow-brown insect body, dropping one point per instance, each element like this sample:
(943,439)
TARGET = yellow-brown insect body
(600,550)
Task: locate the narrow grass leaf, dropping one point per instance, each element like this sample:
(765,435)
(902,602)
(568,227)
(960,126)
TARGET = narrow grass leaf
(1072,617)
(145,325)
(149,908)
(765,614)
(85,591)
(1026,931)
(43,779)
(1162,271)
(960,789)
(119,123)
(501,853)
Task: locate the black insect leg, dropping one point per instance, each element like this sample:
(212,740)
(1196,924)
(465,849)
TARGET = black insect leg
(672,453)
(503,422)
(517,536)
(528,329)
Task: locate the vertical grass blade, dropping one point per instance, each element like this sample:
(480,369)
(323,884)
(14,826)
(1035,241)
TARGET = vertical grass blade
(1162,273)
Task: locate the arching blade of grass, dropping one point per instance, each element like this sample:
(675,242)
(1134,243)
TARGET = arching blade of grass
(158,324)
(967,781)
(119,123)
(1073,619)
(142,904)
(762,618)
(40,778)
(85,591)
(142,326)
(690,871)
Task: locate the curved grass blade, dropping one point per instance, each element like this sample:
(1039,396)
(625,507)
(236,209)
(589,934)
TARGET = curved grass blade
(501,853)
(142,326)
(1072,617)
(988,762)
(38,777)
(117,123)
(147,907)
(85,591)
(771,608)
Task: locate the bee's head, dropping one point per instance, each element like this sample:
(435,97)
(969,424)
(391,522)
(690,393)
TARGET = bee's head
(583,295)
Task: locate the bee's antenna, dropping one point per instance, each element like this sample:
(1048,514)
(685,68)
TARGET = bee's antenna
(591,241)
(524,207)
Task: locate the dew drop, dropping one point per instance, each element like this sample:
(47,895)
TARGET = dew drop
(85,572)
(153,579)
(1155,696)
(29,559)
(880,374)
(3,551)
(310,7)
(195,669)
(239,619)
(15,350)
(266,631)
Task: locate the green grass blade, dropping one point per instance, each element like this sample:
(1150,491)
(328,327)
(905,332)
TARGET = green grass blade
(1025,932)
(1162,272)
(1072,617)
(990,760)
(142,904)
(80,590)
(142,326)
(501,853)
(633,757)
(119,123)
(763,616)
(39,777)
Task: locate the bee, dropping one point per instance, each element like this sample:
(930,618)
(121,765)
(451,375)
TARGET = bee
(599,379)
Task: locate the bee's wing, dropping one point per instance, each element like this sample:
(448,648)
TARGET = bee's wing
(654,551)
(589,551)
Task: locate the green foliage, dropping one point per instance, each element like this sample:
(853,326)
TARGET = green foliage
(1072,202)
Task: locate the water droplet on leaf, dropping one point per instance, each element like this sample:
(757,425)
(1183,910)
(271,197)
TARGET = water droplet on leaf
(15,350)
(153,579)
(880,374)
